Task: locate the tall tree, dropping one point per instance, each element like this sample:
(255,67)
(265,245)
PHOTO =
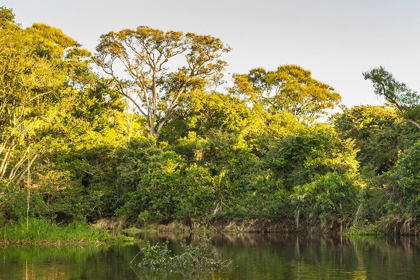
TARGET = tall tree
(375,132)
(28,83)
(150,83)
(289,88)
(397,94)
(47,91)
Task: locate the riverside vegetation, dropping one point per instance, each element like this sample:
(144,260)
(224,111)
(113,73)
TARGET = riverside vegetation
(41,232)
(192,260)
(160,144)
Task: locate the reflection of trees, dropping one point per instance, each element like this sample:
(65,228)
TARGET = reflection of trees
(255,256)
(92,262)
(319,257)
(30,262)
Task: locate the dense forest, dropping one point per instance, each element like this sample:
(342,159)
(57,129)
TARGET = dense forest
(145,130)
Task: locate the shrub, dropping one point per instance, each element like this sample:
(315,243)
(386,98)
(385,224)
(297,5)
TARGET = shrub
(193,257)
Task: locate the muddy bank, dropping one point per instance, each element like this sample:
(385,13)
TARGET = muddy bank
(278,225)
(396,225)
(390,225)
(282,225)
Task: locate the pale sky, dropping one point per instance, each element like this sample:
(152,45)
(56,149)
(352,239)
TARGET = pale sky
(336,40)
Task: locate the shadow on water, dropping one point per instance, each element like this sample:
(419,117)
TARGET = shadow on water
(255,256)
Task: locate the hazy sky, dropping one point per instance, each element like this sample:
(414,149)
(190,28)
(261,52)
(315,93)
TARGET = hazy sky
(335,39)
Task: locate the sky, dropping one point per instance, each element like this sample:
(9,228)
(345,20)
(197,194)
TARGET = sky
(336,40)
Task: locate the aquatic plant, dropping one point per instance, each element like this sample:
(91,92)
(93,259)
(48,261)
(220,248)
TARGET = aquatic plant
(200,257)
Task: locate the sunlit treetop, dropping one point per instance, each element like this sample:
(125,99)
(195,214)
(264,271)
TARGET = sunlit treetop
(6,15)
(290,88)
(160,66)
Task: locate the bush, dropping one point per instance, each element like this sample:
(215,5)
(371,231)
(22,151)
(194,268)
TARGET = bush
(407,176)
(330,195)
(299,159)
(193,257)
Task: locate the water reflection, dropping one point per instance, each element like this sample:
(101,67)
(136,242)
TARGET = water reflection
(321,257)
(92,262)
(255,256)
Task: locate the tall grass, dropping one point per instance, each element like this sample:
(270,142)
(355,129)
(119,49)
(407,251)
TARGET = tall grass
(42,232)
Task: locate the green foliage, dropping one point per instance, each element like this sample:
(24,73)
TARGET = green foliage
(376,135)
(397,94)
(331,195)
(201,112)
(365,229)
(197,198)
(193,258)
(258,204)
(289,88)
(150,177)
(145,54)
(39,231)
(408,176)
(50,103)
(6,15)
(68,149)
(298,159)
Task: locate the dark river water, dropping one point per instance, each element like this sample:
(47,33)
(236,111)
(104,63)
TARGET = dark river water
(254,256)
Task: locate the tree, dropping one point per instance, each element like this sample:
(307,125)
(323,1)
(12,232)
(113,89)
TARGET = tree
(397,94)
(289,88)
(202,112)
(149,83)
(50,100)
(44,76)
(375,132)
(407,176)
(299,159)
(6,16)
(28,83)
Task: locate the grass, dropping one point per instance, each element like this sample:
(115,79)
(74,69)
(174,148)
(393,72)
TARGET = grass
(41,232)
(360,230)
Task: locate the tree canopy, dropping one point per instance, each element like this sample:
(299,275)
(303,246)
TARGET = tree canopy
(397,94)
(156,77)
(68,150)
(290,88)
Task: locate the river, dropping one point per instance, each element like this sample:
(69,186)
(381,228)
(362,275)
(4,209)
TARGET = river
(254,256)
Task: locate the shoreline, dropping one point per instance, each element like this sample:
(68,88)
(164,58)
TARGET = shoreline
(388,226)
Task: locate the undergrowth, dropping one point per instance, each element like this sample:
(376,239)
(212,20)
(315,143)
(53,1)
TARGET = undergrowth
(40,231)
(360,229)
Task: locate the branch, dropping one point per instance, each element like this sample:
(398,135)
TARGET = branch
(132,100)
(391,100)
(17,166)
(410,121)
(23,173)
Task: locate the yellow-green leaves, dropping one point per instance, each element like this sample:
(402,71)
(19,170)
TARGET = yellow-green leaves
(6,15)
(290,88)
(156,73)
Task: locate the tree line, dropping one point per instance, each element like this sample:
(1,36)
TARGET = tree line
(151,139)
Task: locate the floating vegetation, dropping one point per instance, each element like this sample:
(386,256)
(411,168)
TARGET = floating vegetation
(198,257)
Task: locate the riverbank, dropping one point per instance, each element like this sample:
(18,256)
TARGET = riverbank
(391,225)
(42,232)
